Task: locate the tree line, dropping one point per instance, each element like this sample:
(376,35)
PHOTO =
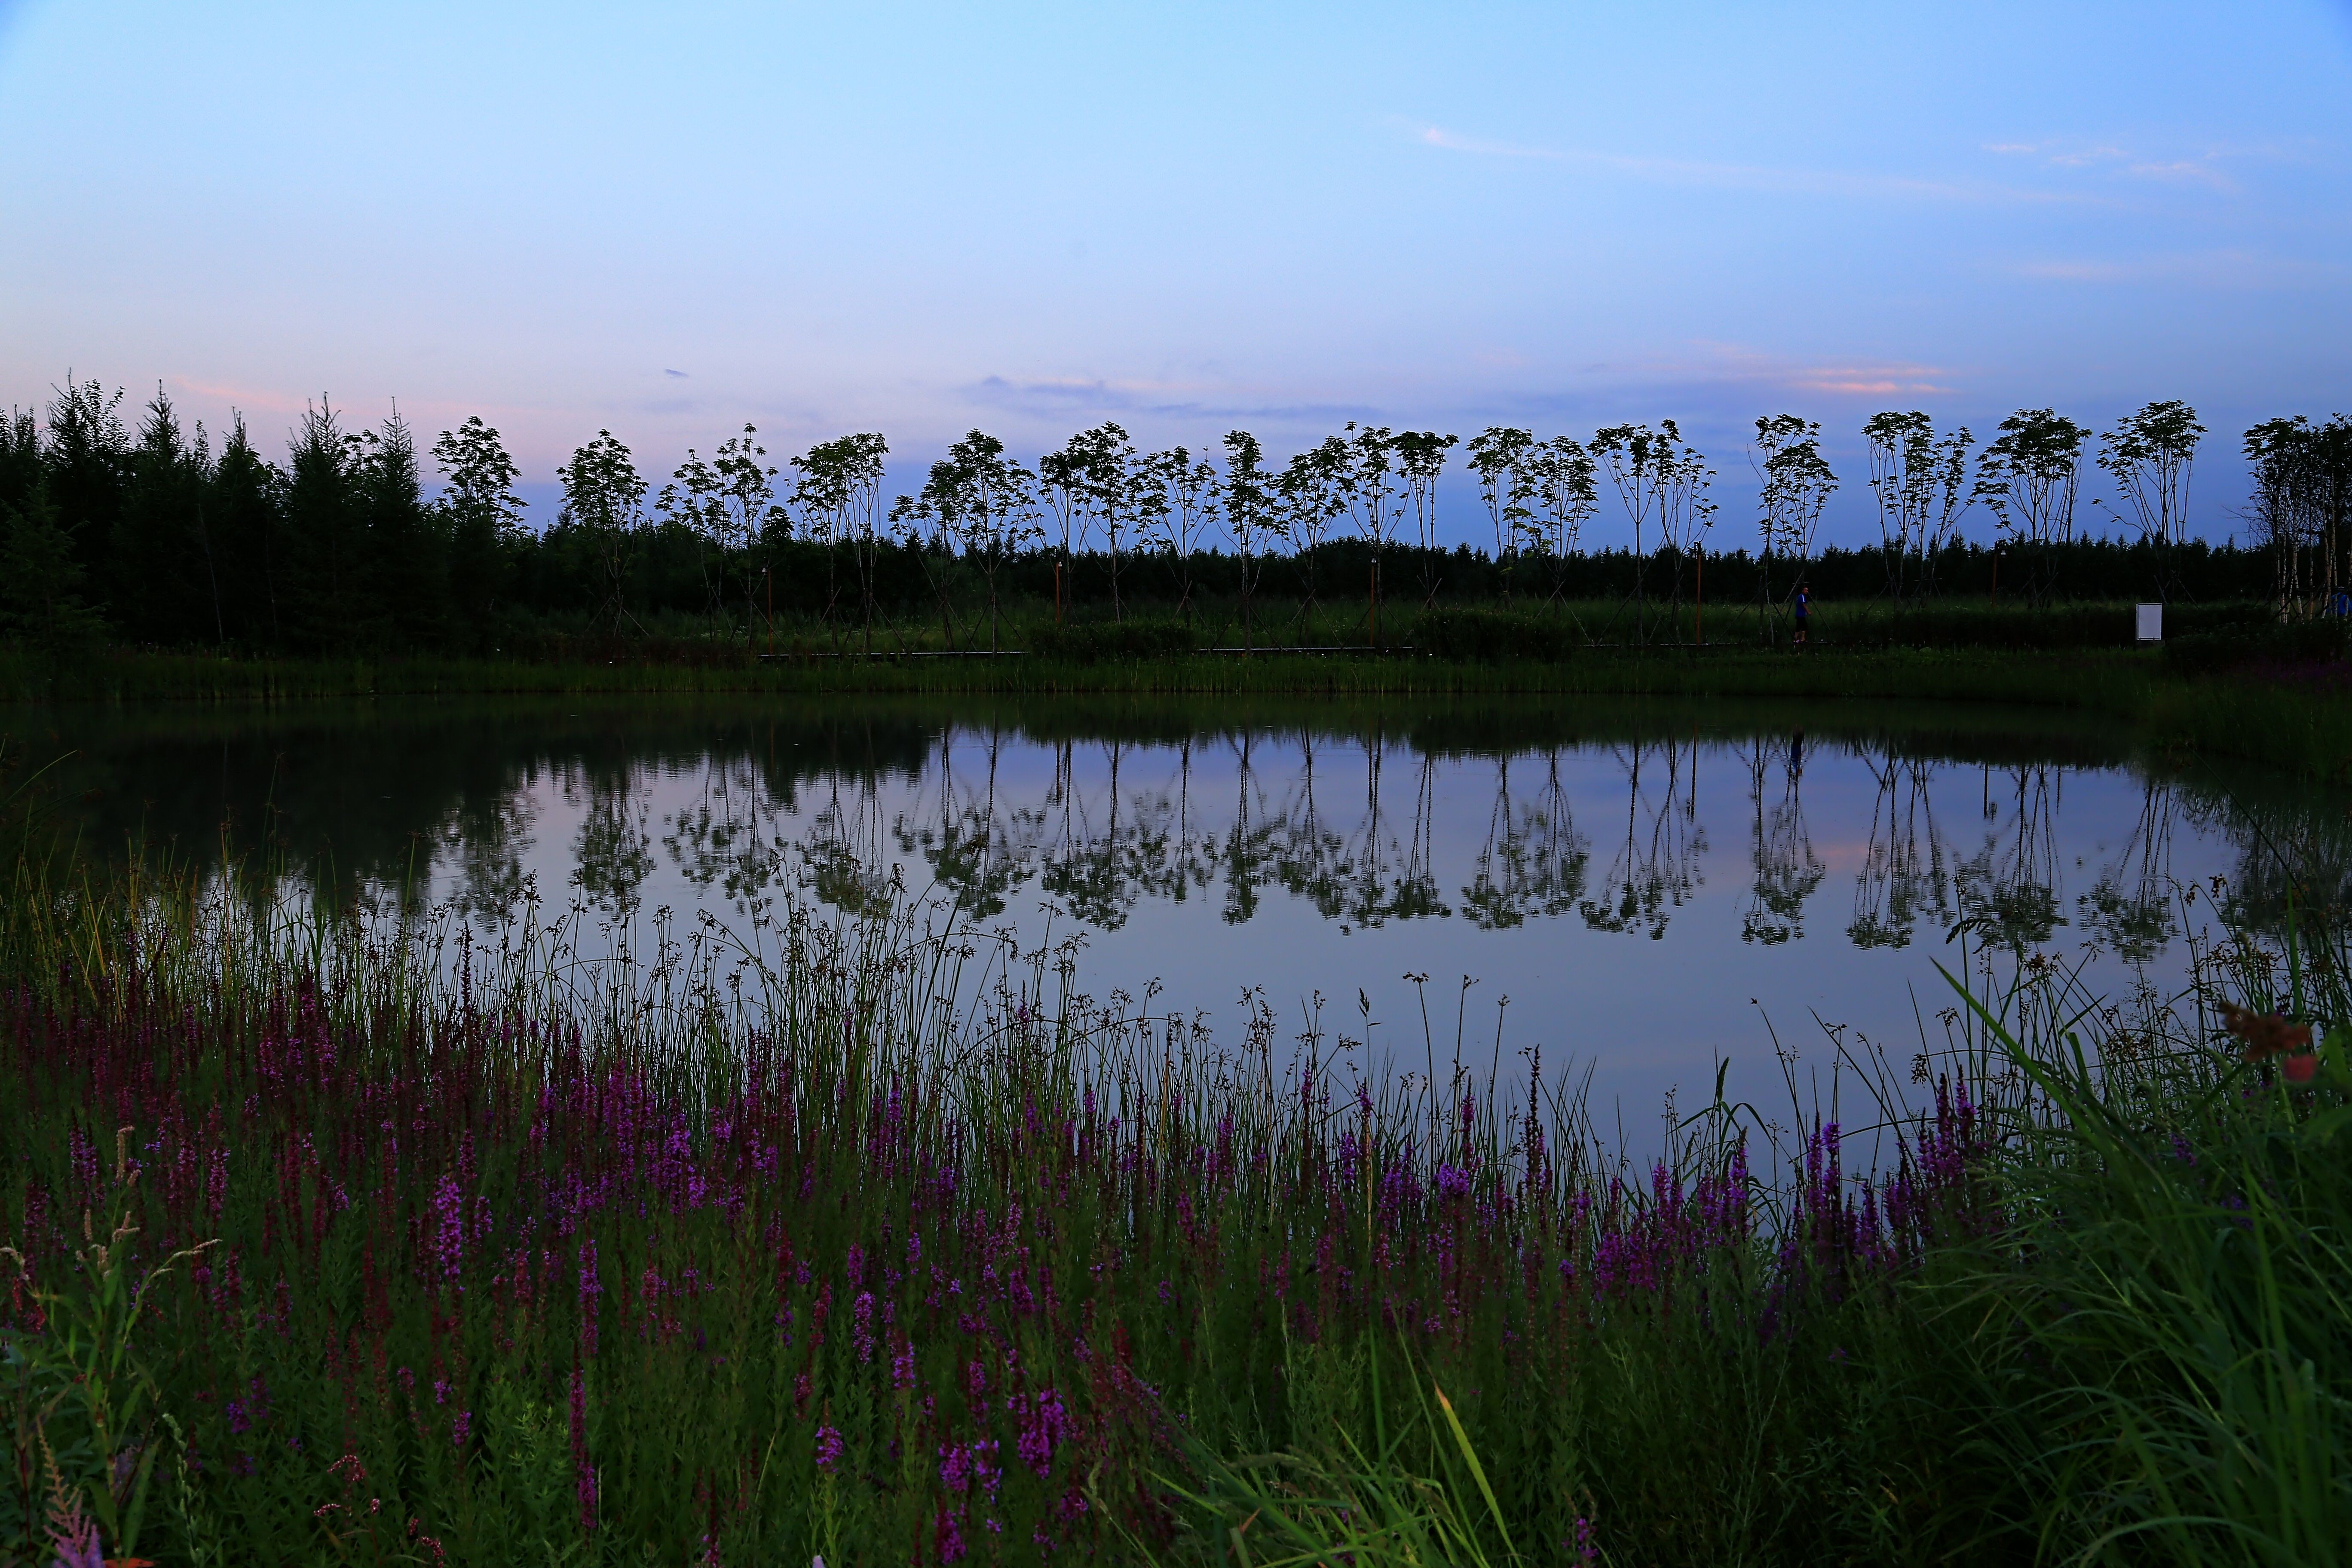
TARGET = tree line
(141,527)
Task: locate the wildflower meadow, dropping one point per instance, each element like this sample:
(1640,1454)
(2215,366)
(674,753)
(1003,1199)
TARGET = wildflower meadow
(380,1239)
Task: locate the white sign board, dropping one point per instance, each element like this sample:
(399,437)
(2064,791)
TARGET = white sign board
(2151,622)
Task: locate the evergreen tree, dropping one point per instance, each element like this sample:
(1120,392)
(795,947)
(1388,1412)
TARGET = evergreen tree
(161,583)
(41,579)
(84,465)
(321,599)
(20,457)
(405,579)
(243,531)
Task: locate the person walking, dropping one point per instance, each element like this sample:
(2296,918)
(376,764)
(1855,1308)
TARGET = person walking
(1804,607)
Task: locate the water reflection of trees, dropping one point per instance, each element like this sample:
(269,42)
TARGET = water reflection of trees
(1657,867)
(1780,850)
(1365,821)
(612,854)
(2289,849)
(2010,887)
(729,841)
(2130,904)
(977,851)
(1906,869)
(1533,862)
(483,838)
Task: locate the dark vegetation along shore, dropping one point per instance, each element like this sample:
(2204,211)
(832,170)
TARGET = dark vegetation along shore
(132,527)
(384,1243)
(2264,694)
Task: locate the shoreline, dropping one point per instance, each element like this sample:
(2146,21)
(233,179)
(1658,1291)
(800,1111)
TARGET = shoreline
(2273,722)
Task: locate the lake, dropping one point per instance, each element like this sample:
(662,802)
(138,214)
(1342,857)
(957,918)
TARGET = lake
(1640,890)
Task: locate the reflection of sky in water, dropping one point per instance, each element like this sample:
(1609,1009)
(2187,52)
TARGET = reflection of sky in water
(1642,905)
(1645,885)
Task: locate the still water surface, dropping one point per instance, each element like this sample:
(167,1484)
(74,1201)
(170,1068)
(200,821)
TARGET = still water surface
(1639,890)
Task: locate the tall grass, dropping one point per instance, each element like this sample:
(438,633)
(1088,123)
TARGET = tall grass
(868,1239)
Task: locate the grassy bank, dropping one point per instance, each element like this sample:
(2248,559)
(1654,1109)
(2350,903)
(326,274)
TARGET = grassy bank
(2286,719)
(431,1250)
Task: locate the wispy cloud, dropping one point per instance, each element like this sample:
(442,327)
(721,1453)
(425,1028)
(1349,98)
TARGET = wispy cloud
(1075,398)
(1714,363)
(679,374)
(1743,176)
(1867,380)
(2211,166)
(2203,269)
(1437,136)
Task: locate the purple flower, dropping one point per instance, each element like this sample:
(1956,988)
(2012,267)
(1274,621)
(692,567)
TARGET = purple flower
(461,1429)
(984,1468)
(828,1450)
(448,1238)
(591,1286)
(861,1313)
(1044,1424)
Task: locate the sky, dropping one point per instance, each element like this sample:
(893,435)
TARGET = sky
(671,221)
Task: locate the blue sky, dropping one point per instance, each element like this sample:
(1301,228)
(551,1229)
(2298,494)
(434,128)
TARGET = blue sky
(670,220)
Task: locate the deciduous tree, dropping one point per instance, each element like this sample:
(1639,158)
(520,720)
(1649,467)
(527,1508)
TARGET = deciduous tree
(1663,482)
(839,496)
(1420,459)
(1312,492)
(1920,483)
(2150,455)
(1499,455)
(1182,506)
(604,498)
(2030,476)
(1796,488)
(482,517)
(729,503)
(1253,512)
(1564,483)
